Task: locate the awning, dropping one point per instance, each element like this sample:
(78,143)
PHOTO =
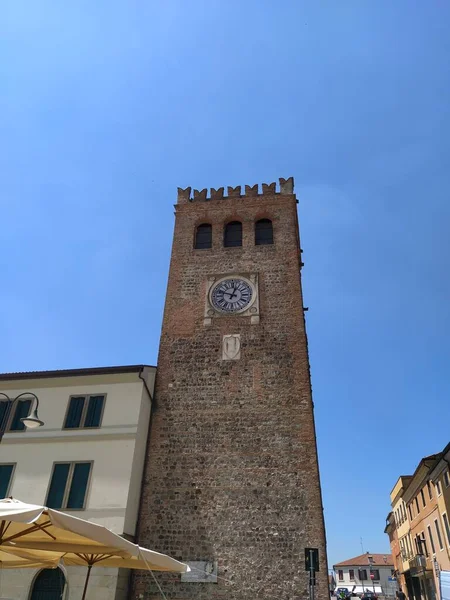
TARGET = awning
(360,589)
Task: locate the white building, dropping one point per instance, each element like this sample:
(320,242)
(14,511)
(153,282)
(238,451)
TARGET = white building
(374,572)
(87,459)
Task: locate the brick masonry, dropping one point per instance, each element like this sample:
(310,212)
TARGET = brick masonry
(232,471)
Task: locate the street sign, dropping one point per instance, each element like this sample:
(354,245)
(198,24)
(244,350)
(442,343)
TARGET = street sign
(392,578)
(311,559)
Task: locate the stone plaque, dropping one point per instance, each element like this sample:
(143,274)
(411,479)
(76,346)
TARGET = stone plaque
(231,347)
(202,571)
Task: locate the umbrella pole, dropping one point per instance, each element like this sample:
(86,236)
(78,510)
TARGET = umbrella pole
(86,582)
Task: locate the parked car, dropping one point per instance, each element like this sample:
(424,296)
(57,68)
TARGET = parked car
(369,596)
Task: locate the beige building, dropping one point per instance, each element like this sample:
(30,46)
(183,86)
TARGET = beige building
(401,520)
(367,572)
(87,459)
(420,508)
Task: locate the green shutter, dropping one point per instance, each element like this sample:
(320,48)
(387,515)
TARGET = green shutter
(79,485)
(75,412)
(5,478)
(58,485)
(22,411)
(94,411)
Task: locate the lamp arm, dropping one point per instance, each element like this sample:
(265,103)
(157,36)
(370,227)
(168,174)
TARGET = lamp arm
(28,394)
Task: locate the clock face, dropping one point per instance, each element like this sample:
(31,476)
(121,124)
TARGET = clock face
(232,295)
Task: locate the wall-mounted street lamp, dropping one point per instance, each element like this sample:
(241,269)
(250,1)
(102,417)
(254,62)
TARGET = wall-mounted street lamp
(32,421)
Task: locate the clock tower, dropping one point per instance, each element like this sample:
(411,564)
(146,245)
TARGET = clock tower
(231,484)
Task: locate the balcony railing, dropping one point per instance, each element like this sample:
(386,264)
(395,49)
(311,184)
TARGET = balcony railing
(419,562)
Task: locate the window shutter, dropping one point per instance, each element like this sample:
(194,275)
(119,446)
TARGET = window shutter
(79,485)
(233,234)
(203,237)
(3,411)
(22,410)
(263,232)
(58,484)
(94,411)
(75,412)
(5,478)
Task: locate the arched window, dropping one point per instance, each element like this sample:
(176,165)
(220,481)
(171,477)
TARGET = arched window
(49,585)
(203,236)
(263,232)
(233,234)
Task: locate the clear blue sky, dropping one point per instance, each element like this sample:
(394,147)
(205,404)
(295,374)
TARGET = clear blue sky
(106,107)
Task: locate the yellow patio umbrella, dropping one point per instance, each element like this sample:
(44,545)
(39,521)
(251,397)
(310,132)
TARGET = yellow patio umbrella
(51,535)
(19,558)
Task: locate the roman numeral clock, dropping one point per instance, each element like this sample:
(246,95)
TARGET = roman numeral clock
(236,293)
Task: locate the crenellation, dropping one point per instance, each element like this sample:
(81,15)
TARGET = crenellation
(184,195)
(251,190)
(217,194)
(286,187)
(269,188)
(200,194)
(234,191)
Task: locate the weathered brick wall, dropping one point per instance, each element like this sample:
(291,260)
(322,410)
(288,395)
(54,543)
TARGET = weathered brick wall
(232,467)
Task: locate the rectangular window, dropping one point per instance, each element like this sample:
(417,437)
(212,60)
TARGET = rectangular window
(341,575)
(430,535)
(417,506)
(422,495)
(84,412)
(14,422)
(438,533)
(362,574)
(351,573)
(6,472)
(410,546)
(424,544)
(447,528)
(410,512)
(68,485)
(446,479)
(376,574)
(430,491)
(437,485)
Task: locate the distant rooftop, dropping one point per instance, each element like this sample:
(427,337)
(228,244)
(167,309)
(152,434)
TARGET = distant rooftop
(363,561)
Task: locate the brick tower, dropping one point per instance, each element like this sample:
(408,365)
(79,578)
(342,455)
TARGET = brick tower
(232,483)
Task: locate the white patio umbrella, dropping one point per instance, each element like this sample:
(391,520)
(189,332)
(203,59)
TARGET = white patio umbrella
(52,535)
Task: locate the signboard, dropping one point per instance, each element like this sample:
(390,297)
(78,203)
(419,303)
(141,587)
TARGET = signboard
(444,579)
(311,559)
(392,578)
(202,571)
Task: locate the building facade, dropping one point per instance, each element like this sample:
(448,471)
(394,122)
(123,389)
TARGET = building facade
(403,552)
(232,482)
(87,459)
(367,572)
(391,531)
(424,533)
